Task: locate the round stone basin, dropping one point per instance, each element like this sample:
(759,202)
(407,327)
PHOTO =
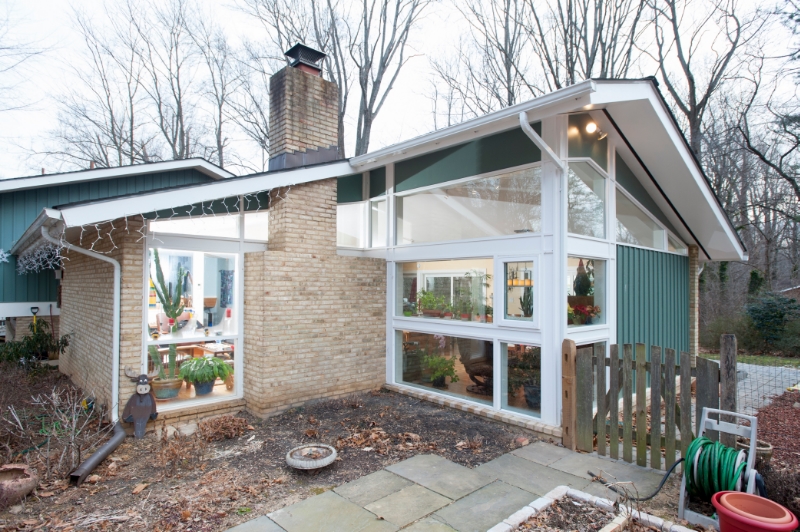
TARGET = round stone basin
(311,456)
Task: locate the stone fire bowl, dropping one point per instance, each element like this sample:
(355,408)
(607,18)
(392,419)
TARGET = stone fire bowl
(16,481)
(311,456)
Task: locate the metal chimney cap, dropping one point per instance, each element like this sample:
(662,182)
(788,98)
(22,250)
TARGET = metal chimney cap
(300,53)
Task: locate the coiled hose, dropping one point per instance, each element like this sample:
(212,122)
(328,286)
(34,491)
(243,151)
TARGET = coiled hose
(710,468)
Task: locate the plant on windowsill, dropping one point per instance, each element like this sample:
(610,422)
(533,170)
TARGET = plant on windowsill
(526,302)
(448,312)
(428,303)
(203,372)
(465,309)
(167,385)
(440,366)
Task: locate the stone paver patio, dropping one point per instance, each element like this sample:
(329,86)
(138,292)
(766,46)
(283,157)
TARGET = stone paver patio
(428,493)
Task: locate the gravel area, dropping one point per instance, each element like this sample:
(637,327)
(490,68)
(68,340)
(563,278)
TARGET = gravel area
(757,385)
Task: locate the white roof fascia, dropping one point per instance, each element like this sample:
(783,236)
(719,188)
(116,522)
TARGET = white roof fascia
(113,208)
(201,165)
(614,92)
(32,233)
(561,101)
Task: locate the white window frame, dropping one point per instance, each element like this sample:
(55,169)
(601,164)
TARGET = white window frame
(667,232)
(500,288)
(394,195)
(196,244)
(606,201)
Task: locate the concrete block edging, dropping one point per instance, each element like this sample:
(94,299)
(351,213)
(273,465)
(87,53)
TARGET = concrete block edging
(617,524)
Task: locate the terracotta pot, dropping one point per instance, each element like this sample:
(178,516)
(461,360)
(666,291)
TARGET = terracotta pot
(16,481)
(432,313)
(166,389)
(763,449)
(742,512)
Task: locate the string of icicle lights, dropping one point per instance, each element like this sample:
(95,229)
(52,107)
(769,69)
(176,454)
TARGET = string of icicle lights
(99,237)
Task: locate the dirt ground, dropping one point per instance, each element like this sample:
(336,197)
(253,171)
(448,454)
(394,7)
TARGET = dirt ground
(189,484)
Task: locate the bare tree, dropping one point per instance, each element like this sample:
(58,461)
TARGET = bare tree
(703,40)
(222,81)
(169,56)
(581,39)
(14,54)
(99,120)
(366,45)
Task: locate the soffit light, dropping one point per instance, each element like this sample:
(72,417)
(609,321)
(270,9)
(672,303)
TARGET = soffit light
(591,127)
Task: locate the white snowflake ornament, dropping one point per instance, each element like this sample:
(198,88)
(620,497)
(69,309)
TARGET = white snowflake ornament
(4,255)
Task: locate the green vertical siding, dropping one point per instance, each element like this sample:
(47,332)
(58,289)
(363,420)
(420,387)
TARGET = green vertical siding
(18,209)
(652,298)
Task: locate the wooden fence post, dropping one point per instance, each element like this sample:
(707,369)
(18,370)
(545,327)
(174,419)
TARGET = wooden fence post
(568,397)
(584,381)
(727,370)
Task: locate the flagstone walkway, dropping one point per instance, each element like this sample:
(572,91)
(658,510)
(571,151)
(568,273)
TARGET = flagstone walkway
(428,493)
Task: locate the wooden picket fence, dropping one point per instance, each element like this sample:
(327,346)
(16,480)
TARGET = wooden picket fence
(594,385)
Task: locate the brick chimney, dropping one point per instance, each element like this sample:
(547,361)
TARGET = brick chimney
(303,112)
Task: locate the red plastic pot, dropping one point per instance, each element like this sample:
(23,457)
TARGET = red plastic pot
(742,512)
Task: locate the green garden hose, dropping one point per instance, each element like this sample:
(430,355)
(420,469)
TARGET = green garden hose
(710,467)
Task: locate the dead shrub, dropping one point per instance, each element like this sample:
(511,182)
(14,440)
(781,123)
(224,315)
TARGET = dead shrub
(223,428)
(180,452)
(55,433)
(783,486)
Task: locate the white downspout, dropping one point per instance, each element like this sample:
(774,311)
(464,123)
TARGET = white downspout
(539,141)
(115,317)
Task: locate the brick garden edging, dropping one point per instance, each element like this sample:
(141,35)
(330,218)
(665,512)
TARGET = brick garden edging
(618,523)
(540,429)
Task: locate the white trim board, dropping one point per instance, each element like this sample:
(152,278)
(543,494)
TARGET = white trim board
(21,310)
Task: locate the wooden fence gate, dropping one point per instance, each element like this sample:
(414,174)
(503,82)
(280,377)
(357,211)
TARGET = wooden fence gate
(608,397)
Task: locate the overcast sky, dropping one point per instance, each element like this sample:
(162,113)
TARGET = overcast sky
(407,112)
(49,23)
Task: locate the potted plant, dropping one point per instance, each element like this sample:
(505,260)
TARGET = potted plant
(428,303)
(203,372)
(466,309)
(489,314)
(526,302)
(167,385)
(440,368)
(448,312)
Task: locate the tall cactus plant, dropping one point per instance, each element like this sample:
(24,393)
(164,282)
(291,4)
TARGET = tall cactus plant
(171,303)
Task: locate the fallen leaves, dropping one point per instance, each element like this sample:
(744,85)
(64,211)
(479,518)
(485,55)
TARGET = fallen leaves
(139,488)
(93,479)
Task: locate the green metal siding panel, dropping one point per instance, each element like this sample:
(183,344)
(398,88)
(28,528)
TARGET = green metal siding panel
(652,298)
(350,188)
(487,154)
(377,182)
(18,209)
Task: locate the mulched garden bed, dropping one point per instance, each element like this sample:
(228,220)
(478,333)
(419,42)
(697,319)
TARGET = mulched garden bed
(779,425)
(190,483)
(568,514)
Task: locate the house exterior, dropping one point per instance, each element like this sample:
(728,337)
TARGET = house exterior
(450,266)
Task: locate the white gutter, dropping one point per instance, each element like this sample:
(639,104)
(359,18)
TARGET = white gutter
(540,143)
(115,317)
(573,96)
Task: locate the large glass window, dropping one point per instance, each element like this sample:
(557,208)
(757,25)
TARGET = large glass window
(586,281)
(450,289)
(501,205)
(521,378)
(377,215)
(587,201)
(223,225)
(519,290)
(350,230)
(192,314)
(462,367)
(635,227)
(256,226)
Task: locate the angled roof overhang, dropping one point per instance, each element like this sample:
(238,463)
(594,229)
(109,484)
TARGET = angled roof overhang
(642,117)
(78,214)
(201,165)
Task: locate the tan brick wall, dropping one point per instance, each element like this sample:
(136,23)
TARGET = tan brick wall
(87,307)
(303,111)
(315,322)
(20,327)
